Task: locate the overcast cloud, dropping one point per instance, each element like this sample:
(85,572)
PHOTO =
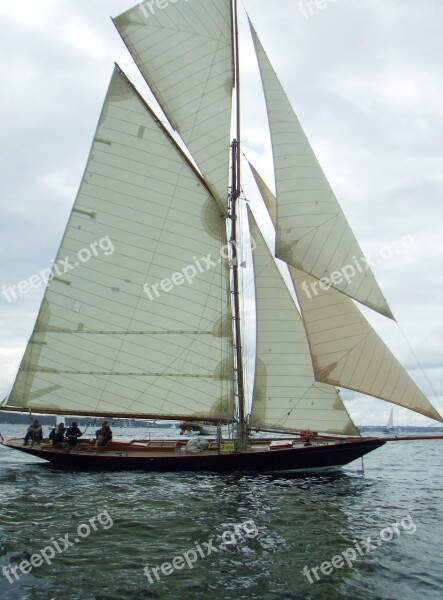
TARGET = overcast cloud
(365,78)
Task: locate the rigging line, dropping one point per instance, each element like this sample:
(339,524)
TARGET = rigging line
(4,402)
(242,257)
(87,426)
(437,398)
(182,356)
(137,305)
(235,193)
(187,350)
(197,110)
(270,261)
(226,348)
(283,419)
(187,156)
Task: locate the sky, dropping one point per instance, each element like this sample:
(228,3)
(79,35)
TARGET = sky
(365,78)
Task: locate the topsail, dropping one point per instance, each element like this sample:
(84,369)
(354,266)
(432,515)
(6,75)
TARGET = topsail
(185,54)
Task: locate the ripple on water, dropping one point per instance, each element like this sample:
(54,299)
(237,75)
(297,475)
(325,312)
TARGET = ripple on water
(301,521)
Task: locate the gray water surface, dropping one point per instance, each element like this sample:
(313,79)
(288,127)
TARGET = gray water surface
(147,520)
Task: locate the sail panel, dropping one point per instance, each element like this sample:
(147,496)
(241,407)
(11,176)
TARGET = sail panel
(286,395)
(347,352)
(185,54)
(312,231)
(134,325)
(268,197)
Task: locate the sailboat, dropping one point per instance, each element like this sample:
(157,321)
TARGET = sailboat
(152,326)
(390,424)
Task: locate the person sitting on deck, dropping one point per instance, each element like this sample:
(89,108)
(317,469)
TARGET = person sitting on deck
(34,433)
(58,439)
(101,431)
(104,437)
(72,433)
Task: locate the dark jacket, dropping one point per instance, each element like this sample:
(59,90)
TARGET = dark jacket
(106,437)
(58,437)
(73,431)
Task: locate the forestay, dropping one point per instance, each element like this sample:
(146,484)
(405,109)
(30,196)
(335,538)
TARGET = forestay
(286,395)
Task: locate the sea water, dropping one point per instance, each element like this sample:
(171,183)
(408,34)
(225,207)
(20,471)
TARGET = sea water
(372,534)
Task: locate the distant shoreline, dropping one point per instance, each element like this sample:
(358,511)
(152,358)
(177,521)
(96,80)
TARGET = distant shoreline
(8,418)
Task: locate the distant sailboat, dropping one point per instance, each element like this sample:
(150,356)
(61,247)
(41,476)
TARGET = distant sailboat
(390,424)
(153,331)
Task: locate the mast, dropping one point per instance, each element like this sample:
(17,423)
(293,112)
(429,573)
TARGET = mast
(234,196)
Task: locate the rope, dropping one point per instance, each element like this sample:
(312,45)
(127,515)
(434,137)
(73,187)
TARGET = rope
(87,426)
(434,393)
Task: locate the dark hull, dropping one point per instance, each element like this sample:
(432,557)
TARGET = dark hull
(265,461)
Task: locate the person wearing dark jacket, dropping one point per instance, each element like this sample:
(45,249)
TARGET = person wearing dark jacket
(105,436)
(58,439)
(101,431)
(72,433)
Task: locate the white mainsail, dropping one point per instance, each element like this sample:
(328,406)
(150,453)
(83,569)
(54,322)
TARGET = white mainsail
(312,231)
(109,338)
(185,55)
(286,395)
(345,349)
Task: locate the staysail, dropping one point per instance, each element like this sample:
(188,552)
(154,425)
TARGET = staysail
(347,352)
(286,395)
(312,231)
(140,323)
(185,54)
(268,197)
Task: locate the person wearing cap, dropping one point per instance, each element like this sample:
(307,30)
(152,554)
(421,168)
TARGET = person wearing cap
(72,433)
